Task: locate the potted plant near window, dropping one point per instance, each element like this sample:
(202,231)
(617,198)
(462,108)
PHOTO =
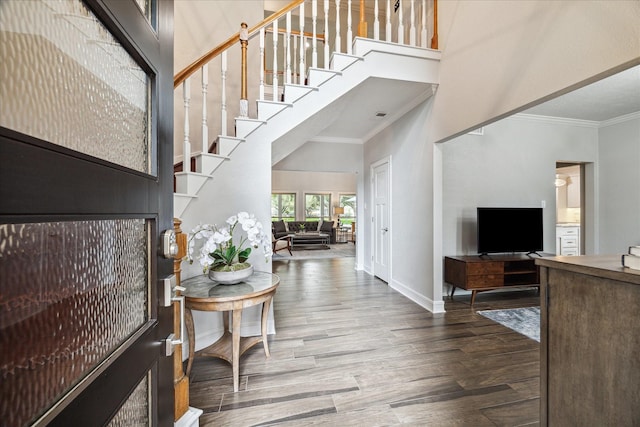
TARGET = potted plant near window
(222,258)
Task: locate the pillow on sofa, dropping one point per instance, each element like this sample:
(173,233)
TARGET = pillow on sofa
(279,227)
(312,225)
(326,226)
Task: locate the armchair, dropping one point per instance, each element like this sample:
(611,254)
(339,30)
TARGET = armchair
(281,243)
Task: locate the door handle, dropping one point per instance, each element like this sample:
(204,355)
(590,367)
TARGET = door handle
(168,297)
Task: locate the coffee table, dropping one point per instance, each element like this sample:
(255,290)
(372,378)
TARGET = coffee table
(309,238)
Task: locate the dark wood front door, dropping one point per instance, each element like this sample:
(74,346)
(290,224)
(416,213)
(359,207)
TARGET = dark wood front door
(86,123)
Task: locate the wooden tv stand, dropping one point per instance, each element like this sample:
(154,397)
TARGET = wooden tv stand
(477,273)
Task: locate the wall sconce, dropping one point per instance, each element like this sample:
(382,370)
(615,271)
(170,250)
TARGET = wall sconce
(561,180)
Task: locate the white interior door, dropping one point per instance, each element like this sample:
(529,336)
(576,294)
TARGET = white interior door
(381,223)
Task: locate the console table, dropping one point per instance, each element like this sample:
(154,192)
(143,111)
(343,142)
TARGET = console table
(204,294)
(477,273)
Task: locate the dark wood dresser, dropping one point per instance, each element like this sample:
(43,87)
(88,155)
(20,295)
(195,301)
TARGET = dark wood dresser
(477,273)
(590,342)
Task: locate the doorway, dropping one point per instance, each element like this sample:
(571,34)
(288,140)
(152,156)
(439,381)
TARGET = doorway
(381,187)
(569,183)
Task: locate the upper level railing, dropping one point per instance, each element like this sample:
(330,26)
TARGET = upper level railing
(288,49)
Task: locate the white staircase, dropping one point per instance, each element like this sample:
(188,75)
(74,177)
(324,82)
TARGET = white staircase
(376,75)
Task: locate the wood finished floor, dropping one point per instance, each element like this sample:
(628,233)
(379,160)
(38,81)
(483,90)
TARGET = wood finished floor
(350,351)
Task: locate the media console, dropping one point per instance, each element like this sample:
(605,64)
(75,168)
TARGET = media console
(477,273)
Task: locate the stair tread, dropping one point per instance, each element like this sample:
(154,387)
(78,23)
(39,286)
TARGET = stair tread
(193,173)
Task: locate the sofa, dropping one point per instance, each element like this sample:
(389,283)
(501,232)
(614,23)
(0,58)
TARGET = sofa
(282,228)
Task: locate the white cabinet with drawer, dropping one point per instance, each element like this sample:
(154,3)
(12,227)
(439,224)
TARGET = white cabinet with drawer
(568,240)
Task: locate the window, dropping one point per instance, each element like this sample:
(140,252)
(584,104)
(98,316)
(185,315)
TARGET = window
(317,207)
(283,206)
(348,202)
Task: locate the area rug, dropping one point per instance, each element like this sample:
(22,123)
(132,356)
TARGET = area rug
(525,321)
(339,250)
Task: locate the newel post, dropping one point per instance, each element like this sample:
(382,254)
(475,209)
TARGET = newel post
(434,39)
(362,26)
(180,380)
(244,41)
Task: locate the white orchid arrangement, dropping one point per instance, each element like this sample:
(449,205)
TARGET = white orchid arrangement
(219,252)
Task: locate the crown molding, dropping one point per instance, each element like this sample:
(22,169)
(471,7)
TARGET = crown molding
(336,140)
(620,119)
(556,120)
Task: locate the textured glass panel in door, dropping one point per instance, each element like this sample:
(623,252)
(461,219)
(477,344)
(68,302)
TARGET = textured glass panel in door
(65,79)
(70,294)
(135,411)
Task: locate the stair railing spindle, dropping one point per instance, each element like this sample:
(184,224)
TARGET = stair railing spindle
(262,65)
(349,32)
(326,34)
(205,128)
(412,28)
(338,38)
(400,24)
(423,34)
(287,41)
(223,94)
(301,68)
(295,55)
(275,60)
(186,146)
(376,21)
(314,40)
(387,26)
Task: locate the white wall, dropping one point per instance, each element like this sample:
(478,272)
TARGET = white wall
(502,56)
(619,183)
(240,184)
(512,165)
(412,206)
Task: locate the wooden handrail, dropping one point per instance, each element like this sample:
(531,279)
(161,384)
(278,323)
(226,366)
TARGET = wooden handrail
(207,57)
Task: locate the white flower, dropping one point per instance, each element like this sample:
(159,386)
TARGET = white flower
(219,248)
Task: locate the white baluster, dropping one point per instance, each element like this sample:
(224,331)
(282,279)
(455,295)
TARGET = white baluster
(349,32)
(261,62)
(223,94)
(423,35)
(303,47)
(412,29)
(287,41)
(326,34)
(376,22)
(400,24)
(186,146)
(295,55)
(314,18)
(275,60)
(338,38)
(205,128)
(387,26)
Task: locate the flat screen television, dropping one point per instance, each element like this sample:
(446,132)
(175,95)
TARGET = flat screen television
(503,230)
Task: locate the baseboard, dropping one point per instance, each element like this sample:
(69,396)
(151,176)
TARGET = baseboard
(424,302)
